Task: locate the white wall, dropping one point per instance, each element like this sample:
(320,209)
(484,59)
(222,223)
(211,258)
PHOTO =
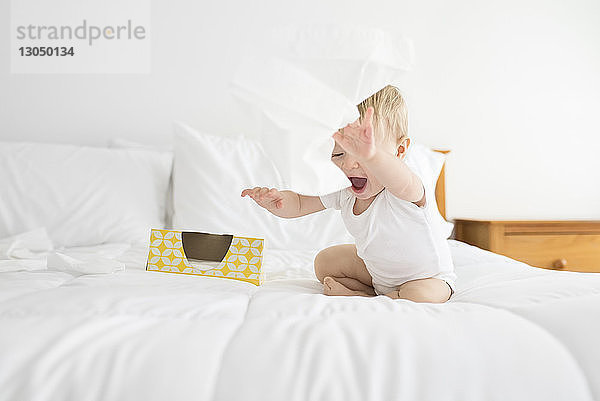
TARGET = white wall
(511,87)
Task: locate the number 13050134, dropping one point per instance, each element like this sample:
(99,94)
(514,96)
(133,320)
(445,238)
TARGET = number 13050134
(42,51)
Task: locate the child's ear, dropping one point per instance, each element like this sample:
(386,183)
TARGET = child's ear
(403,147)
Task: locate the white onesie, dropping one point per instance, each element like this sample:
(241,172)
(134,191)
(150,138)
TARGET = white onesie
(395,238)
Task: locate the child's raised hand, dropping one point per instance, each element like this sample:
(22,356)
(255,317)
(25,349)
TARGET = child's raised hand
(270,199)
(357,139)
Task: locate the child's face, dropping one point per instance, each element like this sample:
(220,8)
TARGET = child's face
(364,184)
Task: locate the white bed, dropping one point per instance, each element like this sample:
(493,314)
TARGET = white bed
(510,332)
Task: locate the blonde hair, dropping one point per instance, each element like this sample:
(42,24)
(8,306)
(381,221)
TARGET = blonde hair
(390,113)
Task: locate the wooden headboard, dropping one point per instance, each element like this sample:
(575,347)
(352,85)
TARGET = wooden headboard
(440,187)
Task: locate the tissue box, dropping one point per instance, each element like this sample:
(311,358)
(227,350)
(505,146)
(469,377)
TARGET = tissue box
(204,254)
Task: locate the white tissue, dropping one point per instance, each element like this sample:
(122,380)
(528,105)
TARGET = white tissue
(307,82)
(33,250)
(89,264)
(15,265)
(29,245)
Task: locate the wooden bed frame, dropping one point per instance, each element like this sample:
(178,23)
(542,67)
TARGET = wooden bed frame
(440,187)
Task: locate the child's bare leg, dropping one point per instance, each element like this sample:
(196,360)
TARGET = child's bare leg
(333,287)
(432,290)
(353,284)
(343,265)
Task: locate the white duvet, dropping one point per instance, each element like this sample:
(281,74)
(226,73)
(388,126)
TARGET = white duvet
(511,332)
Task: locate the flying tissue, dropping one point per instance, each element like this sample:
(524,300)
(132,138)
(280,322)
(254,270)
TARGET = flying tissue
(306,83)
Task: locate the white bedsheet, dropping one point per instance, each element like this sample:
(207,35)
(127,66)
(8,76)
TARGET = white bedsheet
(511,332)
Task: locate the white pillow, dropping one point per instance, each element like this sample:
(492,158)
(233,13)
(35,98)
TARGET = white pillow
(428,164)
(82,195)
(209,175)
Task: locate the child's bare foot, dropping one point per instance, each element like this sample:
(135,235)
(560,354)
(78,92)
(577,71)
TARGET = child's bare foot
(332,287)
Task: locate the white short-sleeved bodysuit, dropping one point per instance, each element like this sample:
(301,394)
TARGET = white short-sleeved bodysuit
(396,239)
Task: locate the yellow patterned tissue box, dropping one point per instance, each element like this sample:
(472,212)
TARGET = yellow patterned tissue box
(204,254)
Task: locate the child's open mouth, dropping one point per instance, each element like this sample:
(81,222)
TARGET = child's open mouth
(358,184)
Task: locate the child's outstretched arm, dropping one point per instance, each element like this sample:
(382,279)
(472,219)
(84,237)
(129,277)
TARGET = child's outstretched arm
(286,204)
(358,140)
